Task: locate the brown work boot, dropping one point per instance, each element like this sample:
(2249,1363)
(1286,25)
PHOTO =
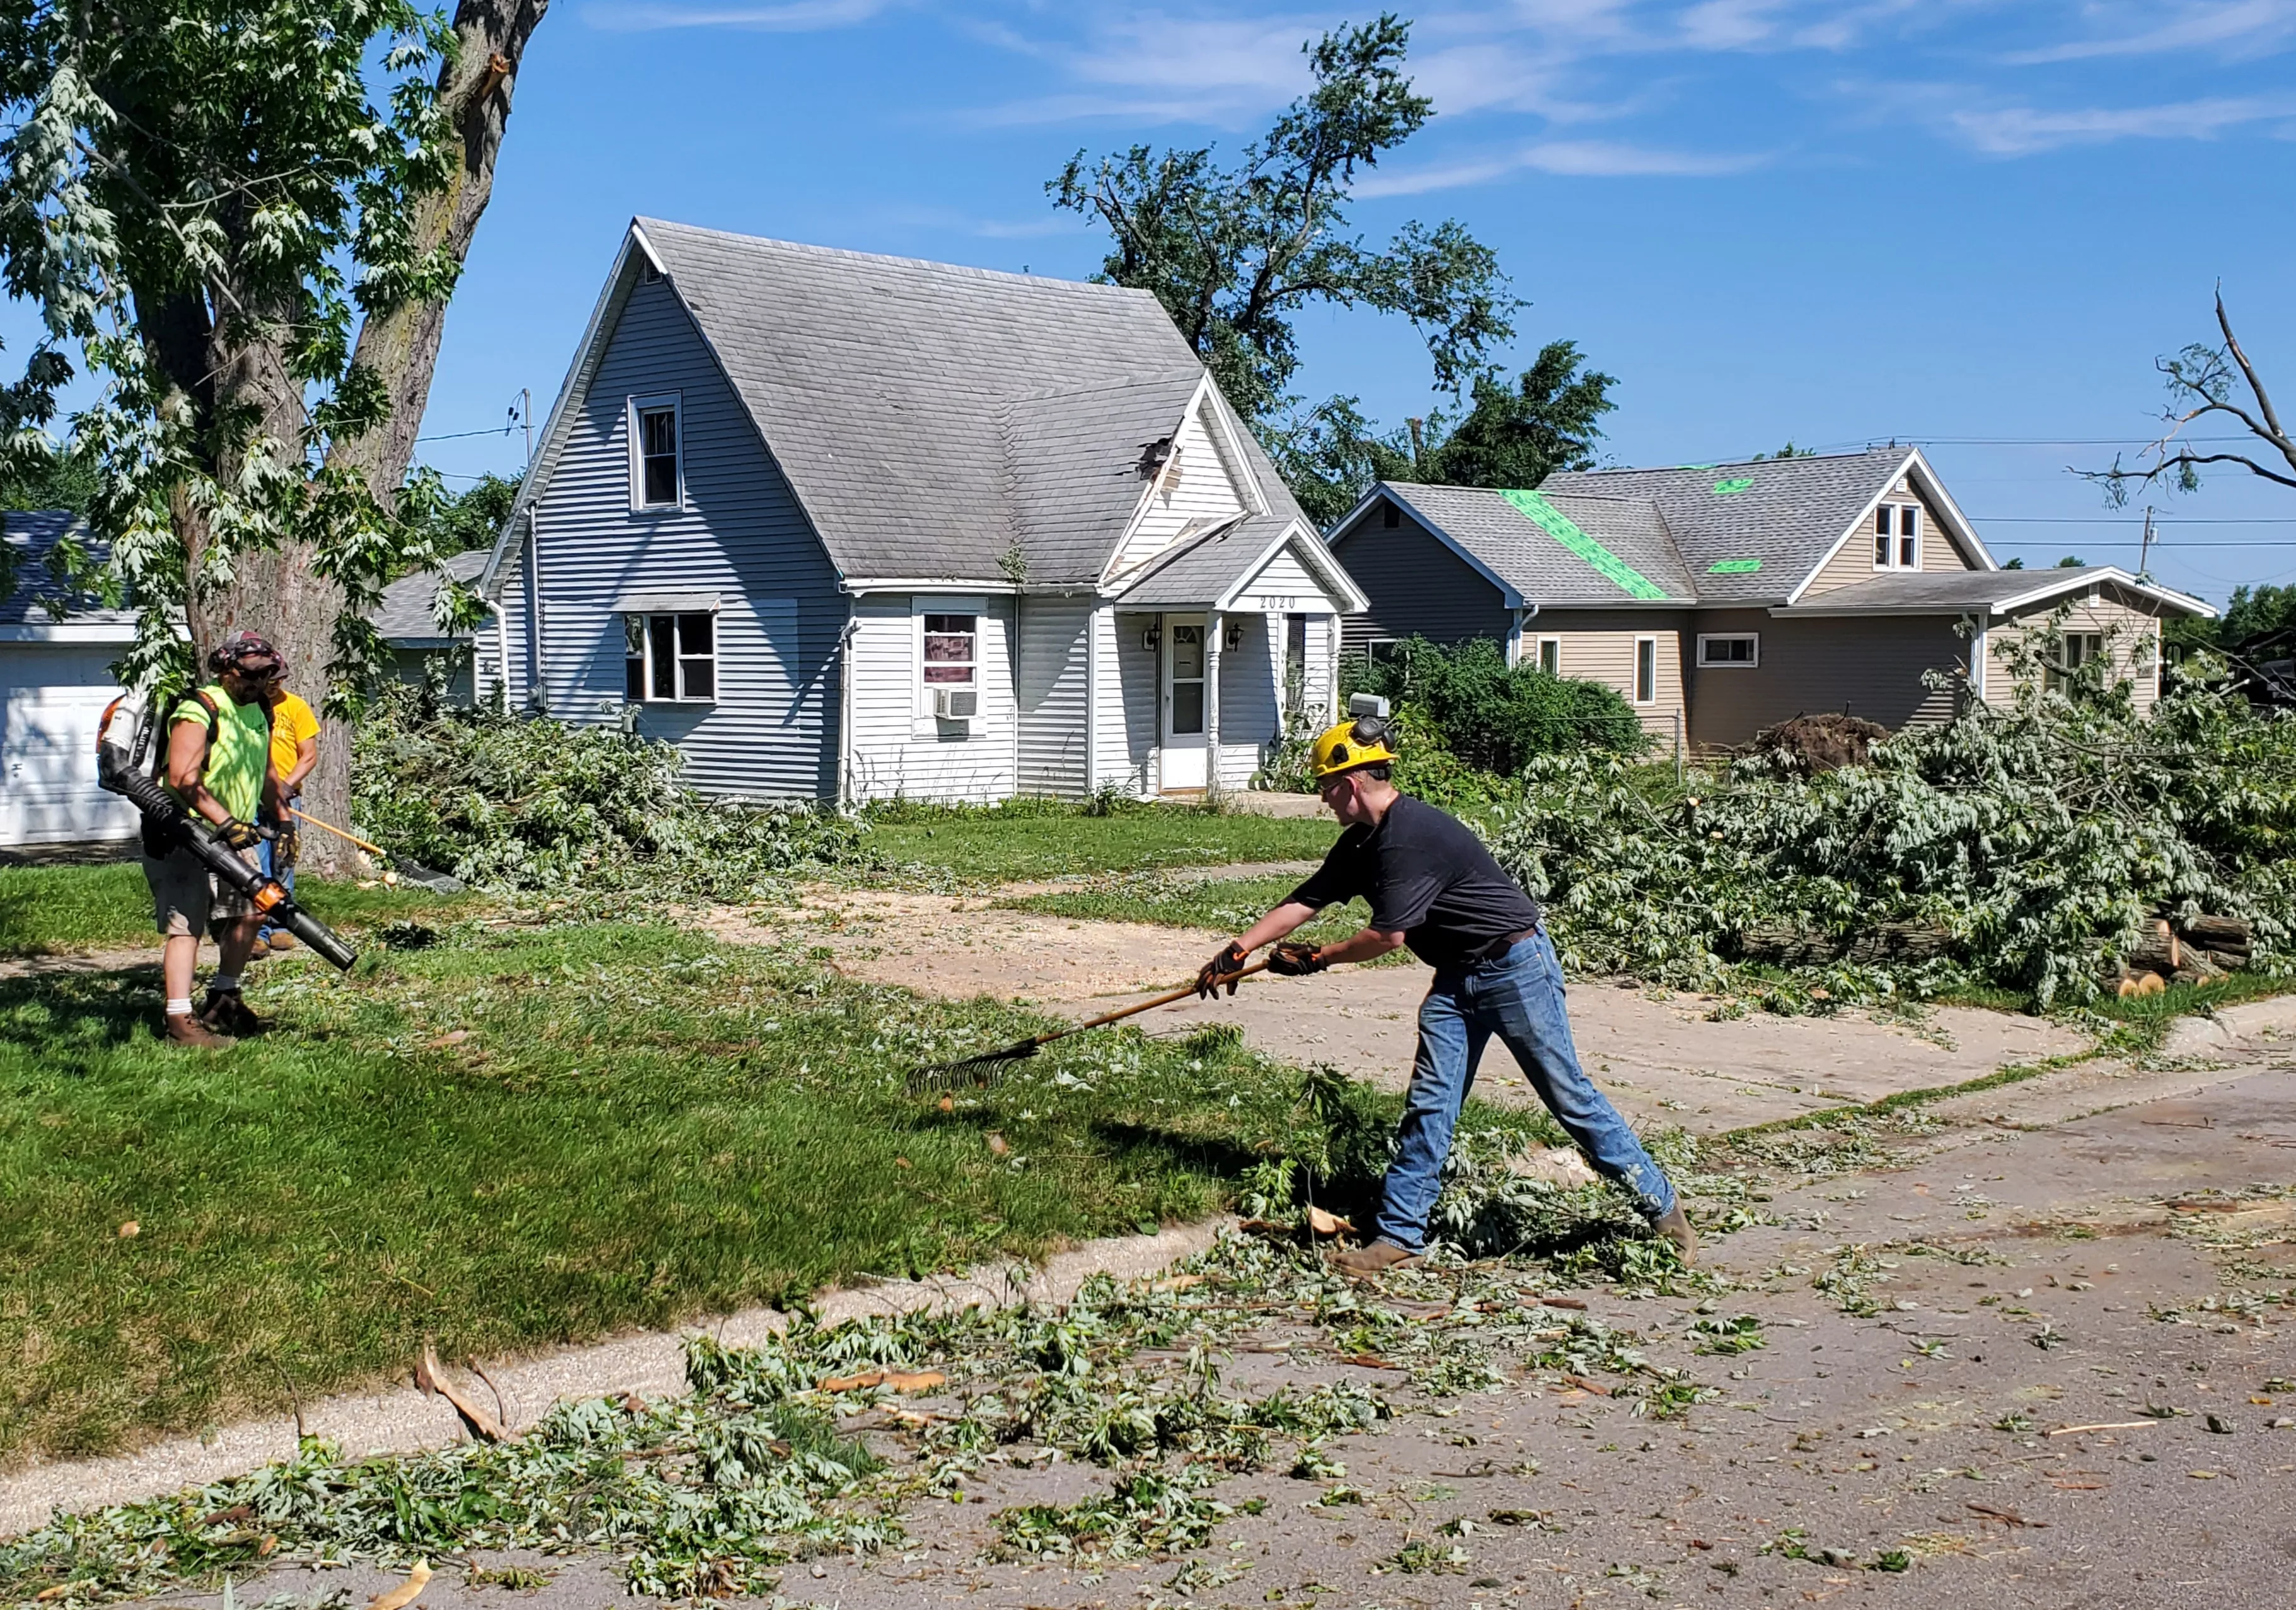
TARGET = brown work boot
(184,1028)
(1674,1225)
(226,1012)
(1363,1262)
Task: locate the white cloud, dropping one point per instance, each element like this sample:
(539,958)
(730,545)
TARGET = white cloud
(1573,159)
(791,16)
(2241,26)
(2023,131)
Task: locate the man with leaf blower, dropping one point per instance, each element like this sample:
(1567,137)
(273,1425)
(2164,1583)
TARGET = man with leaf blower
(1432,885)
(218,765)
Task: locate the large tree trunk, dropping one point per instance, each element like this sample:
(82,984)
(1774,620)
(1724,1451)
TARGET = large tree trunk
(400,346)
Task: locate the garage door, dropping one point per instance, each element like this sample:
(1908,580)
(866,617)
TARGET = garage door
(52,696)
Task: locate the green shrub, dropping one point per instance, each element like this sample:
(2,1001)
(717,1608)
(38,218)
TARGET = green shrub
(1495,717)
(513,803)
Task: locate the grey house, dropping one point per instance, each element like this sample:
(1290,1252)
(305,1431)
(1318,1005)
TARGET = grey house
(406,616)
(853,526)
(1723,599)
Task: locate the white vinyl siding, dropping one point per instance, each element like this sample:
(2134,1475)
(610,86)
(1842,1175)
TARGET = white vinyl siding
(770,731)
(51,700)
(898,752)
(1051,677)
(1197,485)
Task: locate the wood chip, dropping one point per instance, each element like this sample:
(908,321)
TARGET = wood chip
(1367,1360)
(1328,1224)
(1563,1302)
(429,1379)
(130,1231)
(1584,1384)
(406,1592)
(2105,1425)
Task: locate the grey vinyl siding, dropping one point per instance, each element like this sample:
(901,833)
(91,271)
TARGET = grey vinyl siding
(1251,704)
(772,730)
(1139,672)
(1049,684)
(1416,584)
(1870,667)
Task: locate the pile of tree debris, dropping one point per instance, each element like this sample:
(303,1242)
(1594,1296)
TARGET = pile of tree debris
(2040,848)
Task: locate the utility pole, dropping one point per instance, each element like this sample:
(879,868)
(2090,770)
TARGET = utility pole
(2145,553)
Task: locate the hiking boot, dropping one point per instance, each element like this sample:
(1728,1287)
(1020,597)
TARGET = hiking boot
(183,1028)
(1363,1262)
(1674,1226)
(279,939)
(226,1012)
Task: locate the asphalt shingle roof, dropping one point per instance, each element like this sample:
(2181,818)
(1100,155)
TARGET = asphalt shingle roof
(931,416)
(1946,591)
(1197,572)
(1788,513)
(1542,567)
(407,614)
(29,537)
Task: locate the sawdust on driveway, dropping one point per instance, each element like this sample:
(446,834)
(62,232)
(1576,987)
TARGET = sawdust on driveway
(1665,1056)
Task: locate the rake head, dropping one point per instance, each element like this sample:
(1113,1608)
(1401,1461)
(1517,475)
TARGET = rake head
(978,1072)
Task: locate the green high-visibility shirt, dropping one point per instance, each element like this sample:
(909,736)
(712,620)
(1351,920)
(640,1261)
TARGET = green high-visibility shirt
(239,749)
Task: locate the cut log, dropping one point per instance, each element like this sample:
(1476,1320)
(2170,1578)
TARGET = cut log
(2219,932)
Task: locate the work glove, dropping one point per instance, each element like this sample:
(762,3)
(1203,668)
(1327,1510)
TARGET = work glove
(285,843)
(1221,969)
(240,835)
(1296,961)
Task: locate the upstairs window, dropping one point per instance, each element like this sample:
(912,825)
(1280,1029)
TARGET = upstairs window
(656,478)
(1897,536)
(669,658)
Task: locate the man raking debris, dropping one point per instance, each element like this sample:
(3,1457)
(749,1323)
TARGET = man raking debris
(1432,885)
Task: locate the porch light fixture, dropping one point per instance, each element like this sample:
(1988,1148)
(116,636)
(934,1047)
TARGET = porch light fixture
(1235,635)
(1153,638)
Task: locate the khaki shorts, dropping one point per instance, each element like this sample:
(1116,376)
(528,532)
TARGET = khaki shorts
(186,898)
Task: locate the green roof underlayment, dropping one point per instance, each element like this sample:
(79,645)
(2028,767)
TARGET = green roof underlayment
(1565,530)
(1738,483)
(1734,567)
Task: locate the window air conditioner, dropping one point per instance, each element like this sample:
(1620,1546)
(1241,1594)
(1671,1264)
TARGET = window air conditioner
(956,704)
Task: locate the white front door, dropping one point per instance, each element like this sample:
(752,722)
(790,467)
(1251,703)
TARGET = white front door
(1183,757)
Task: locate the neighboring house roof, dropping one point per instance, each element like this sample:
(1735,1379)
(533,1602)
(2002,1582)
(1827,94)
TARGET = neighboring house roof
(1756,533)
(36,610)
(1992,593)
(407,616)
(1556,550)
(932,420)
(1213,568)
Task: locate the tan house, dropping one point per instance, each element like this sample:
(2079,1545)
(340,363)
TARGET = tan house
(1722,598)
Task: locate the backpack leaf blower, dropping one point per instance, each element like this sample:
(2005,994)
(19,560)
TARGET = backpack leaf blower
(167,821)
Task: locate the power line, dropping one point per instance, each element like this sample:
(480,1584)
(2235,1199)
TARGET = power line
(2128,519)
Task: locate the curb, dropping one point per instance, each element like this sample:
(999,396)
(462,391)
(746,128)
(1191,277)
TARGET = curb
(399,1420)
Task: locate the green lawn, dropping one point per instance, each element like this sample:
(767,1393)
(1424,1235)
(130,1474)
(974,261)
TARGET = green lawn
(73,910)
(1034,839)
(1226,905)
(642,1125)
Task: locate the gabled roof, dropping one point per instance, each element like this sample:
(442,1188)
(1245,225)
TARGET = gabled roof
(1792,514)
(1988,593)
(1556,550)
(931,419)
(406,616)
(1212,568)
(36,608)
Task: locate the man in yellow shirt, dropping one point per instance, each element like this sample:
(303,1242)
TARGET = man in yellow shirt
(294,751)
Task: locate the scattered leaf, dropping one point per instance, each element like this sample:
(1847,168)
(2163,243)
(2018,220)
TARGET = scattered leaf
(406,1592)
(130,1231)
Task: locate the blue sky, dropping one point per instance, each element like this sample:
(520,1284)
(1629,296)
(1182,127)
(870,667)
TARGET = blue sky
(1974,222)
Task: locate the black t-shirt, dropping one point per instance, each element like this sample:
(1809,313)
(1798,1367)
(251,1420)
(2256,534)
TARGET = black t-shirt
(1423,871)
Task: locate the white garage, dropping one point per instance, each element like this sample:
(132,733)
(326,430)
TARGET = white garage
(54,683)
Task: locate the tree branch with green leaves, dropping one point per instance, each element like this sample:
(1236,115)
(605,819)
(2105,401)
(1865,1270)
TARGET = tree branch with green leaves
(2208,384)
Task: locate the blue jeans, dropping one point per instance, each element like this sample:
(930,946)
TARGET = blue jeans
(287,878)
(1519,998)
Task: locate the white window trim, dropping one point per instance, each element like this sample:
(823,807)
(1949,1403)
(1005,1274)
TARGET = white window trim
(678,671)
(1896,535)
(1705,664)
(1634,673)
(923,722)
(1538,651)
(676,402)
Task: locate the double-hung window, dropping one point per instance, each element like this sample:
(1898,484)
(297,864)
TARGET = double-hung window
(1897,536)
(669,658)
(2074,650)
(657,454)
(952,665)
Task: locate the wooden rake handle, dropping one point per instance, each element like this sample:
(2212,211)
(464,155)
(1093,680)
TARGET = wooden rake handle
(1149,1005)
(372,849)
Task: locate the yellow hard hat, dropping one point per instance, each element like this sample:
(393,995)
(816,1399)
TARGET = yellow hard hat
(1349,744)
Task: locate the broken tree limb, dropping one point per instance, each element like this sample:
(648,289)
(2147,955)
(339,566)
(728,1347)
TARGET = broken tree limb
(429,1379)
